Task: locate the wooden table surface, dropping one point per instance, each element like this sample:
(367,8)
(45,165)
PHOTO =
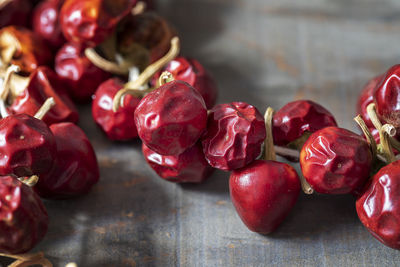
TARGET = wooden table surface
(263,52)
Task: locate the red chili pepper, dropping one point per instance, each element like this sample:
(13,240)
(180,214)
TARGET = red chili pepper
(192,72)
(188,167)
(379,205)
(23,217)
(75,169)
(79,73)
(44,83)
(171,118)
(335,161)
(22,47)
(234,135)
(263,193)
(118,125)
(90,22)
(46,24)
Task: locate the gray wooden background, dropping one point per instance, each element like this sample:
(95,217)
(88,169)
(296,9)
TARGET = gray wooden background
(263,52)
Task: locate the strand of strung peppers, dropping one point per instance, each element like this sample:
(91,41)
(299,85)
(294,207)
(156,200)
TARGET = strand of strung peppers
(368,135)
(133,87)
(385,133)
(23,260)
(107,65)
(269,151)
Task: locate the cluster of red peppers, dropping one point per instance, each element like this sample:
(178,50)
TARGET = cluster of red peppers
(125,58)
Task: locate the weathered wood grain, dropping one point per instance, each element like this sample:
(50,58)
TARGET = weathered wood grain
(266,53)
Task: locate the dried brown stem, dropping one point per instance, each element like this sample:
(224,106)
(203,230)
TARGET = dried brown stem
(104,64)
(139,8)
(368,135)
(6,82)
(269,150)
(25,260)
(29,181)
(384,133)
(165,77)
(47,105)
(3,3)
(133,87)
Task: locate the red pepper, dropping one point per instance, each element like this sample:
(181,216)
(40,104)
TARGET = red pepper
(22,47)
(90,22)
(118,125)
(46,22)
(75,169)
(23,217)
(44,83)
(79,73)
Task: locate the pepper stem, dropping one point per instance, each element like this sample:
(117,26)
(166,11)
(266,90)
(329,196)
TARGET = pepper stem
(104,64)
(133,87)
(139,8)
(368,135)
(165,77)
(385,132)
(3,3)
(29,181)
(269,150)
(30,259)
(6,89)
(47,105)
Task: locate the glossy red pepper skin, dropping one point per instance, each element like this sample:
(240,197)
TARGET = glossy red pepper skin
(16,12)
(90,22)
(335,161)
(118,125)
(235,133)
(366,97)
(297,118)
(188,167)
(30,50)
(45,83)
(45,22)
(75,170)
(263,194)
(28,146)
(23,217)
(379,205)
(143,39)
(387,95)
(171,118)
(79,73)
(191,71)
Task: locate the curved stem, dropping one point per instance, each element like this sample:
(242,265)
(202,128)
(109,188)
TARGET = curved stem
(269,149)
(3,3)
(139,8)
(47,105)
(25,260)
(6,82)
(368,135)
(384,133)
(146,75)
(29,181)
(105,64)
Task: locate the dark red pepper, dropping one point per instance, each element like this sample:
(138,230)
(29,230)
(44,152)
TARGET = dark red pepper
(23,217)
(142,39)
(366,97)
(379,206)
(28,146)
(90,22)
(22,47)
(335,161)
(263,193)
(44,83)
(15,12)
(46,23)
(118,125)
(234,135)
(297,118)
(387,95)
(188,167)
(192,72)
(75,169)
(82,76)
(171,118)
